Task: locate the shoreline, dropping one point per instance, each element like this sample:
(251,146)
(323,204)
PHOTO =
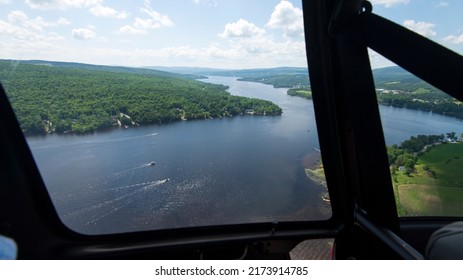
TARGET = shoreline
(317,174)
(115,127)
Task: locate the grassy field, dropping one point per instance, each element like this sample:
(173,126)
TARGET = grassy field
(300,92)
(317,175)
(436,187)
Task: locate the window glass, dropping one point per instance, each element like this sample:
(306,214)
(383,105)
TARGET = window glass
(423,129)
(146,115)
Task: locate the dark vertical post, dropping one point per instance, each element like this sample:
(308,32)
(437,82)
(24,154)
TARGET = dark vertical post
(353,146)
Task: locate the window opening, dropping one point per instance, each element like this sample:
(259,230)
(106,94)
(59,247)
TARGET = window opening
(222,132)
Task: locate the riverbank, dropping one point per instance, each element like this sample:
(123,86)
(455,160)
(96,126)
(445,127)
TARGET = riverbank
(317,174)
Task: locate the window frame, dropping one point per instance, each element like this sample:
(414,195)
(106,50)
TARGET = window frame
(364,219)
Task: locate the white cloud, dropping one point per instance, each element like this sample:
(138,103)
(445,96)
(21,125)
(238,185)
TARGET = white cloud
(2,2)
(17,17)
(127,29)
(102,11)
(146,23)
(24,36)
(241,28)
(60,4)
(9,29)
(287,17)
(442,4)
(379,61)
(389,3)
(212,3)
(452,39)
(420,27)
(83,33)
(63,21)
(20,18)
(163,20)
(246,53)
(141,25)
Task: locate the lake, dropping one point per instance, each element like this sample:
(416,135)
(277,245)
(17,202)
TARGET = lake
(244,169)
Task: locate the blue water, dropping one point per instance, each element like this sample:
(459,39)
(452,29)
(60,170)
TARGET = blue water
(243,169)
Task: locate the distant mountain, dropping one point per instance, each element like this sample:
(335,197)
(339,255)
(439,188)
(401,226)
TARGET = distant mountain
(261,72)
(113,69)
(248,73)
(186,70)
(393,73)
(387,78)
(397,78)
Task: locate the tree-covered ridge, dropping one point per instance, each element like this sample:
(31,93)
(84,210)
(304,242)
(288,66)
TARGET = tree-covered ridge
(105,68)
(281,81)
(436,102)
(394,85)
(51,98)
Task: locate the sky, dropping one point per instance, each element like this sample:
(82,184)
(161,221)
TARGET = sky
(227,34)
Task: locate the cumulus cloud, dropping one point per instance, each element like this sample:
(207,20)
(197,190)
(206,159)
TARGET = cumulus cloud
(287,17)
(142,25)
(17,17)
(20,18)
(452,39)
(5,2)
(241,28)
(247,53)
(60,4)
(163,20)
(420,27)
(107,12)
(24,35)
(389,3)
(83,33)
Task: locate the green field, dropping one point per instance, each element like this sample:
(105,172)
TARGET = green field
(436,186)
(300,92)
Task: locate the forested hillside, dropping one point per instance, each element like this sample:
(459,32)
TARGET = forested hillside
(62,99)
(115,69)
(394,86)
(397,87)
